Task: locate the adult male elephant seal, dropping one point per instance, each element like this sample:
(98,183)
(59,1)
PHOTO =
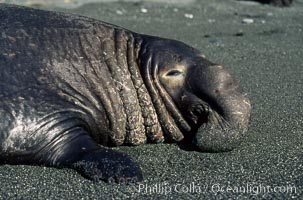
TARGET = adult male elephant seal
(70,83)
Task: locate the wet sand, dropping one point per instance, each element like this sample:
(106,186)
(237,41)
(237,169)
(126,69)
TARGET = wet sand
(263,47)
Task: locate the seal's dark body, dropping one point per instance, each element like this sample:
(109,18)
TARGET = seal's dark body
(60,77)
(279,3)
(70,83)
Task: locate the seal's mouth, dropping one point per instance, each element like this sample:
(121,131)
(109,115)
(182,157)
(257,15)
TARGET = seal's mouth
(215,134)
(212,129)
(198,114)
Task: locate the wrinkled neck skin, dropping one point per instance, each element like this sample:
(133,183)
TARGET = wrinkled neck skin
(111,79)
(171,119)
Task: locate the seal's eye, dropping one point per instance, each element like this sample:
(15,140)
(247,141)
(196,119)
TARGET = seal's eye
(173,72)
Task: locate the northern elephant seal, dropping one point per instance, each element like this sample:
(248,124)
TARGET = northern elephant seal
(70,83)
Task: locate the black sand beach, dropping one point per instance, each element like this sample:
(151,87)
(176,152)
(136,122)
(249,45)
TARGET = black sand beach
(263,48)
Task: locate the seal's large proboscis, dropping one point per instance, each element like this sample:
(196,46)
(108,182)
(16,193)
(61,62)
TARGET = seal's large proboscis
(71,85)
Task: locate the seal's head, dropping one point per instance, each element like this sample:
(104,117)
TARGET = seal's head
(209,99)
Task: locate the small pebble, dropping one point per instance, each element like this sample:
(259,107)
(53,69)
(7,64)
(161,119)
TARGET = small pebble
(190,16)
(247,21)
(119,12)
(144,10)
(211,21)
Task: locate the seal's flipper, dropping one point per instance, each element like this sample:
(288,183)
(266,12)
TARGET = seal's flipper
(77,150)
(108,165)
